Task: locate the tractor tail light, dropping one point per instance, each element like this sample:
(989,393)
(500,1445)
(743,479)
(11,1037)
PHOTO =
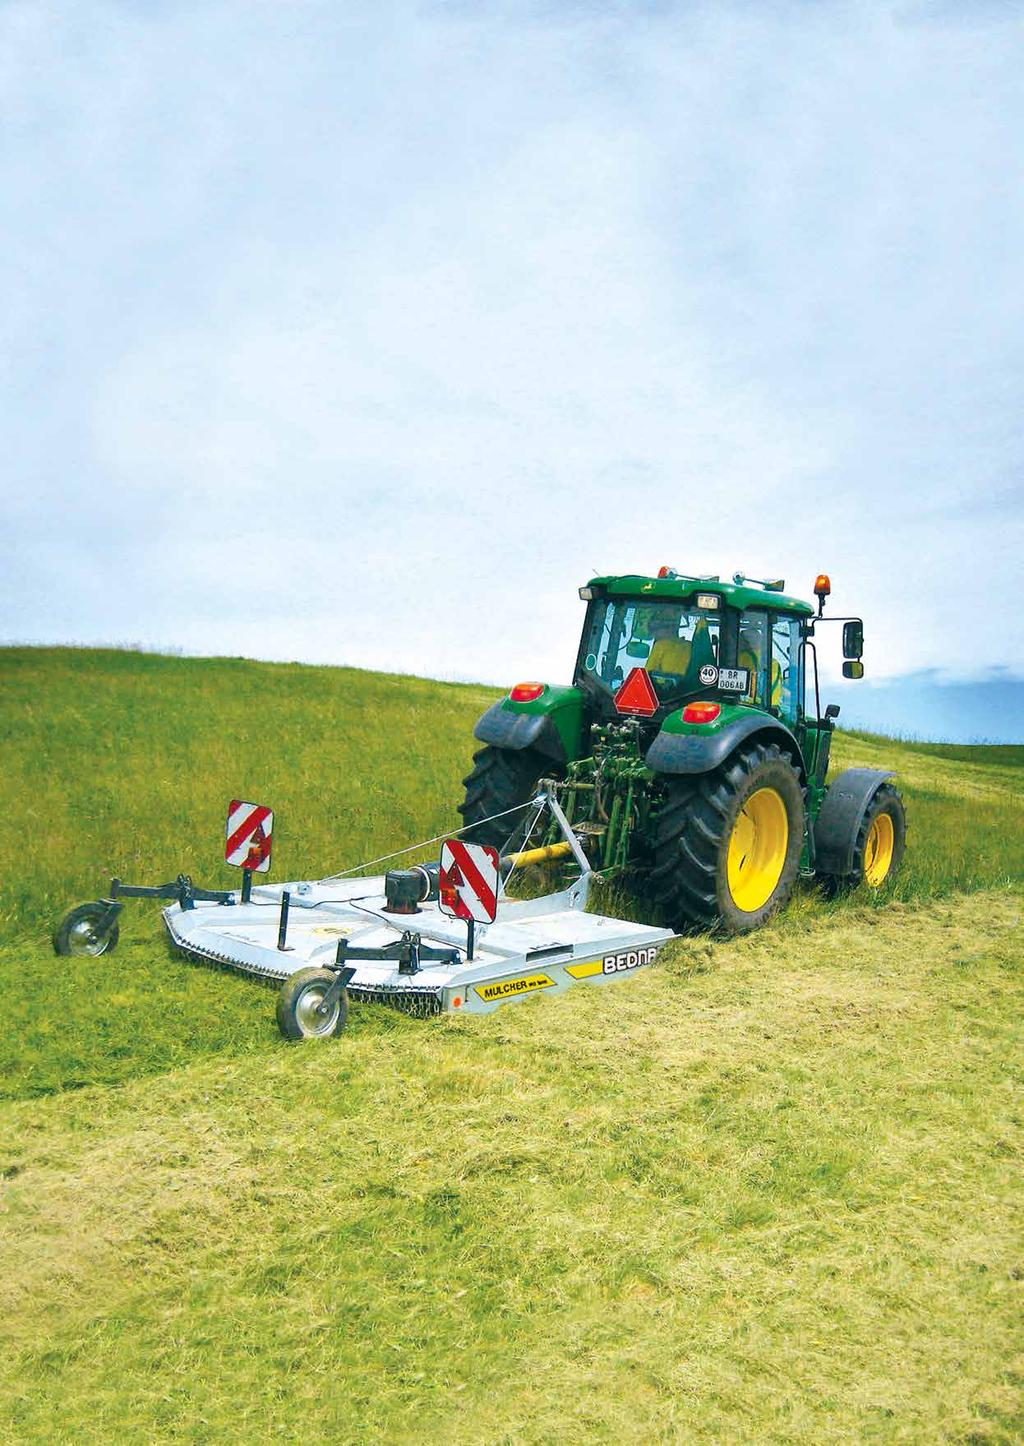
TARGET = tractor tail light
(701,712)
(822,586)
(667,572)
(526,692)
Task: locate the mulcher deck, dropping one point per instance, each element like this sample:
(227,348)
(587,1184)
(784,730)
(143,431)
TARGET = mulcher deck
(534,945)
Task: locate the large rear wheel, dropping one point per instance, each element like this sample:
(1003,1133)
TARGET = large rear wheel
(727,844)
(502,779)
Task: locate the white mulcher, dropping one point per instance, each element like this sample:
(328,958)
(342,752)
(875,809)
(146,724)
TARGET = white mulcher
(390,938)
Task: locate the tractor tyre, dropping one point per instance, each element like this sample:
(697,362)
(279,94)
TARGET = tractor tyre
(502,779)
(298,1006)
(727,843)
(87,930)
(879,846)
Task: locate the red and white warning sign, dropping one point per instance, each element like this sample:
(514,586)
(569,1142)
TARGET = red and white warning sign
(469,881)
(637,695)
(247,836)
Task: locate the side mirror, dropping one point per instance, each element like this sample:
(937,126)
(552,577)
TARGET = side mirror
(853,641)
(637,650)
(832,711)
(853,670)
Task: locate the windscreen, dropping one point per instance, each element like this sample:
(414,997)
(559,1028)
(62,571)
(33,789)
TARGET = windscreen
(670,640)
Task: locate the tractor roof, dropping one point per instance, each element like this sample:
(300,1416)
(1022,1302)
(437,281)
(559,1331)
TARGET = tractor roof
(747,594)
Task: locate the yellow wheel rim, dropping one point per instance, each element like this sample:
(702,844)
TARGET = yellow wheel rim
(878,847)
(757,849)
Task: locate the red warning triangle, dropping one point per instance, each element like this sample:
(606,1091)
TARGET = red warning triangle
(637,695)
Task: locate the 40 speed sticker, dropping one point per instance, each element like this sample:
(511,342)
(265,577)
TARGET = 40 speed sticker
(620,963)
(511,988)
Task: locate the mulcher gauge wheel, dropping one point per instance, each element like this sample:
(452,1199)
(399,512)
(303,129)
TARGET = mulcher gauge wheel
(89,929)
(300,1006)
(727,844)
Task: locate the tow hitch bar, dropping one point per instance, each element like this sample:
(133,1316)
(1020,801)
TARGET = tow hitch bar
(182,888)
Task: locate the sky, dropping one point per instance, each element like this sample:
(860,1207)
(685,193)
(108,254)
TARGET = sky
(366,334)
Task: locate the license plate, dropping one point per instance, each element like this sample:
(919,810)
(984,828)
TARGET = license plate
(734,680)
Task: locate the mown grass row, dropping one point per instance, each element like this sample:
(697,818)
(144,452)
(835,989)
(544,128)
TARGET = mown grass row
(768,1191)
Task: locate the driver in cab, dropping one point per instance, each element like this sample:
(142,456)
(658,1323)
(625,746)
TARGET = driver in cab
(669,652)
(676,655)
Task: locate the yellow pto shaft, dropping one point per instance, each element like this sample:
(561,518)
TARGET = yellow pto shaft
(540,856)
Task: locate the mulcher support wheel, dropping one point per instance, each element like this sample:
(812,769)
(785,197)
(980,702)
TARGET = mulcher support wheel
(301,1012)
(502,778)
(728,843)
(89,929)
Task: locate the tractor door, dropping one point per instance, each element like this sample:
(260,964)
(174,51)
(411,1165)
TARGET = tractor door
(752,653)
(769,645)
(787,683)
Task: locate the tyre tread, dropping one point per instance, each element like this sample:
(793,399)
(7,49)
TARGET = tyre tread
(690,836)
(500,779)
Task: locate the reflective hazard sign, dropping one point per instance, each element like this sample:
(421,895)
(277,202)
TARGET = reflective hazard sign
(247,836)
(637,695)
(469,881)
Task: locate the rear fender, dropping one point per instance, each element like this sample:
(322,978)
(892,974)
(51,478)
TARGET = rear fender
(840,816)
(552,724)
(704,746)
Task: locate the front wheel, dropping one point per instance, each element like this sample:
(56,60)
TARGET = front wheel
(727,843)
(878,847)
(301,1012)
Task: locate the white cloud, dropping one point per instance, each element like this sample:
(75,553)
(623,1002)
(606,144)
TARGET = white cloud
(419,316)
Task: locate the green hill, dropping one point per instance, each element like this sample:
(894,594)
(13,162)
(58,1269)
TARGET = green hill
(768,1191)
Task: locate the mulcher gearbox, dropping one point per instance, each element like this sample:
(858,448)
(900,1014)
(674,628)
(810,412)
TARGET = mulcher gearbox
(690,753)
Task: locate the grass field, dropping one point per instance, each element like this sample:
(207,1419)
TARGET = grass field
(769,1191)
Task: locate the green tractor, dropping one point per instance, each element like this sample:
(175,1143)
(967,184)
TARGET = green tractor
(685,754)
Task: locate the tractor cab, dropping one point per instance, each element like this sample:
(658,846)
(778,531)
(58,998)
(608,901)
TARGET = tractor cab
(692,639)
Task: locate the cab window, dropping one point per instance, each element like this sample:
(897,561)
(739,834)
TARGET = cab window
(670,640)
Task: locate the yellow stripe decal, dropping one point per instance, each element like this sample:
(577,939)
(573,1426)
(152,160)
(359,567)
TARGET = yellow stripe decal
(585,971)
